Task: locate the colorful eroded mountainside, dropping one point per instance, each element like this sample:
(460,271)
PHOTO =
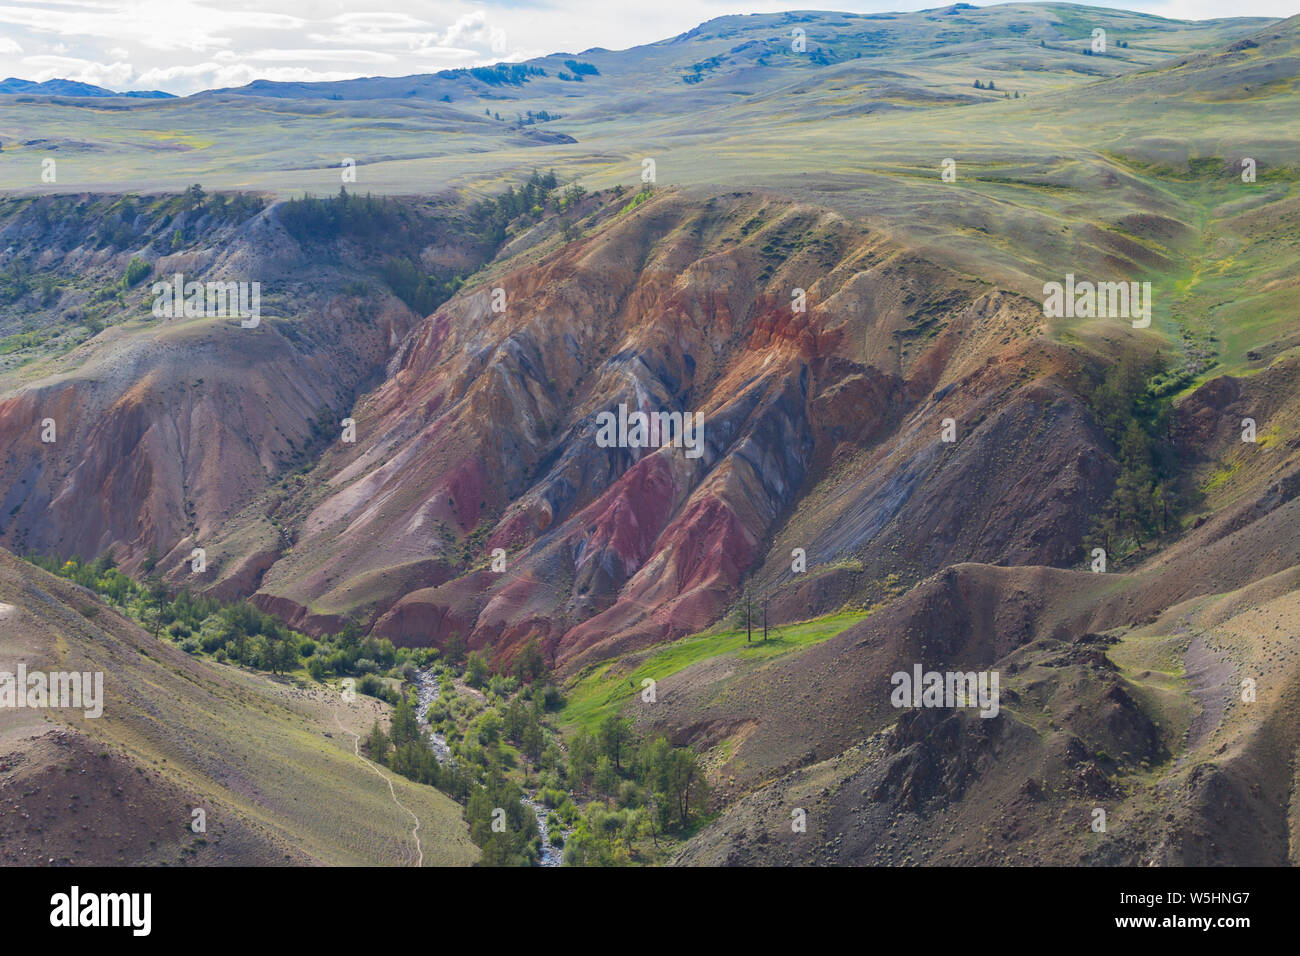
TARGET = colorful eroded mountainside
(827,242)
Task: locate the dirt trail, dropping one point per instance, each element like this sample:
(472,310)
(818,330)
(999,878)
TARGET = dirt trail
(356,748)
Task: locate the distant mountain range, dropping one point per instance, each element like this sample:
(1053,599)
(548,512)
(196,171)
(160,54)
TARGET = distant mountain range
(58,87)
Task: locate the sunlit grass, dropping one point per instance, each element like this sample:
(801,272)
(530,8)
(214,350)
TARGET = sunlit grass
(602,691)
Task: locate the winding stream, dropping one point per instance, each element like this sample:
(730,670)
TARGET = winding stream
(427,691)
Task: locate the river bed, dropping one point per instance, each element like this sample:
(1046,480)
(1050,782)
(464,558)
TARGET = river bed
(428,691)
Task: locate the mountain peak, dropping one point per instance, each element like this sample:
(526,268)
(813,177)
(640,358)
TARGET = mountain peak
(60,87)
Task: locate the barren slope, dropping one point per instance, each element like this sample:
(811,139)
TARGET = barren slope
(271,764)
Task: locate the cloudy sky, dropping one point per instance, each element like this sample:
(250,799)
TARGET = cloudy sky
(183,46)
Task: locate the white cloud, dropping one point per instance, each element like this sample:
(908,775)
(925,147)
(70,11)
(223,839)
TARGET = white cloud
(379,21)
(111,75)
(214,76)
(310,56)
(473,28)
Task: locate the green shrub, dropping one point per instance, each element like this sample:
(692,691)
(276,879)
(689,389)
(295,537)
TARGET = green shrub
(136,270)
